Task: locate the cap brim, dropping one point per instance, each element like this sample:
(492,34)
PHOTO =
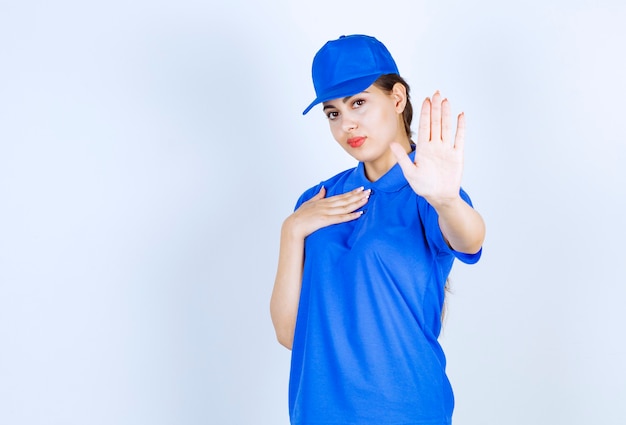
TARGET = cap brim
(349,88)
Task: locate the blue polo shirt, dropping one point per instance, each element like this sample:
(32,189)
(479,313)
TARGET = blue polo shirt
(365,348)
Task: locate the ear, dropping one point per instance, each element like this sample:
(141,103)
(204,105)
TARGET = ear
(398,93)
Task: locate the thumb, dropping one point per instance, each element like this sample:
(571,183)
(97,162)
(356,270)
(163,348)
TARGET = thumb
(321,194)
(403,158)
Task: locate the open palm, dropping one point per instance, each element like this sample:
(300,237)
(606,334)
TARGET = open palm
(436,171)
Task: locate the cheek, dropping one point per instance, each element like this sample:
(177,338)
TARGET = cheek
(335,129)
(379,120)
(391,119)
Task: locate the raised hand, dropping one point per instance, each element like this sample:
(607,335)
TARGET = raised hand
(436,171)
(320,211)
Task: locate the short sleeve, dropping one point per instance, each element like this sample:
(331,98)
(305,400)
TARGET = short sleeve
(435,236)
(308,194)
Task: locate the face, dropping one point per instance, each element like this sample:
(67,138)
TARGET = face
(367,123)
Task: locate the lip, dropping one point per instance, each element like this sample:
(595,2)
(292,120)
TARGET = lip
(355,142)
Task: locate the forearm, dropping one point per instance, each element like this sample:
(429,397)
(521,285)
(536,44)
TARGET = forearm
(286,293)
(461,225)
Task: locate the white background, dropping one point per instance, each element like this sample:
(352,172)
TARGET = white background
(150,150)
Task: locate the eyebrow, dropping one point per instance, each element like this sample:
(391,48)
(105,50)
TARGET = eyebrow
(344,100)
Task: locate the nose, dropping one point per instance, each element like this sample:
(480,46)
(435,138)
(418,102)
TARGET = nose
(349,124)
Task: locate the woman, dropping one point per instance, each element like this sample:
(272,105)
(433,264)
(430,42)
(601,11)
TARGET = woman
(364,258)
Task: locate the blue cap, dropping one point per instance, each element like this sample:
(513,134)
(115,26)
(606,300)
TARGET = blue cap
(349,65)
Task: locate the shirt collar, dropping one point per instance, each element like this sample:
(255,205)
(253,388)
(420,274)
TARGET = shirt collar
(392,181)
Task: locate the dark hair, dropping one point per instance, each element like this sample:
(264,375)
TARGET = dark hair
(386,82)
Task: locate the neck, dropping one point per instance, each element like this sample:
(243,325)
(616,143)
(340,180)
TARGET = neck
(379,167)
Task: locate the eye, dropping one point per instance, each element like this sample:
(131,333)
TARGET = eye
(358,102)
(332,115)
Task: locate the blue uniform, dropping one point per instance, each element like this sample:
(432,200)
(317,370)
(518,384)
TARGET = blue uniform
(365,349)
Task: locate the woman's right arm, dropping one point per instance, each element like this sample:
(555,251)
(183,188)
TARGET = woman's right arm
(286,293)
(312,215)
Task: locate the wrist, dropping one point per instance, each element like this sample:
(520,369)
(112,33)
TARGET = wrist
(443,204)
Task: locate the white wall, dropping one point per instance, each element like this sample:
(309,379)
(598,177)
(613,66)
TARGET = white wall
(150,150)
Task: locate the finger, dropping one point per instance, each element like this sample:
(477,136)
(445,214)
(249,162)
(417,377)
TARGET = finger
(423,131)
(341,203)
(404,161)
(358,203)
(459,138)
(435,118)
(344,197)
(321,194)
(342,218)
(446,127)
(345,208)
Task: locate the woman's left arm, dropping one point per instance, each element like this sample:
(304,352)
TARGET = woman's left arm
(436,171)
(462,226)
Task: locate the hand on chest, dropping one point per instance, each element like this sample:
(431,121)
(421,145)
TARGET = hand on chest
(390,228)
